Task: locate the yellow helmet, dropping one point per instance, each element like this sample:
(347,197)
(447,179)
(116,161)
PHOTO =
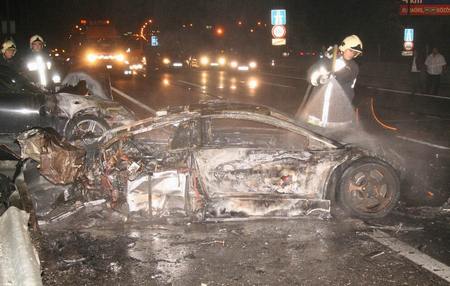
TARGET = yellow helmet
(36,38)
(351,43)
(8,45)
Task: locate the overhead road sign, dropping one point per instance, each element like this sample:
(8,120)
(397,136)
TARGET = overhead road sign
(425,10)
(278,17)
(407,53)
(408,35)
(427,2)
(278,31)
(408,46)
(279,42)
(154,41)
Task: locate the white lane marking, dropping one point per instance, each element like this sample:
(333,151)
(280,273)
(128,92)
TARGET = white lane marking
(137,102)
(242,81)
(277,85)
(424,143)
(190,83)
(283,76)
(408,92)
(199,86)
(411,253)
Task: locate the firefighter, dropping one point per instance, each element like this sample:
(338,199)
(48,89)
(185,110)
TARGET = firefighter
(39,68)
(8,52)
(333,80)
(345,69)
(37,44)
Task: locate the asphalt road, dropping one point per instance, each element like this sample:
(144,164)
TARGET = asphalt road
(304,251)
(409,247)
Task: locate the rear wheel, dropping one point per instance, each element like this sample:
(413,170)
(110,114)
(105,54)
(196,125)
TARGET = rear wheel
(85,129)
(369,189)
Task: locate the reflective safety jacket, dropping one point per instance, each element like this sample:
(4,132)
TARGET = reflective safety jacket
(329,103)
(38,67)
(345,74)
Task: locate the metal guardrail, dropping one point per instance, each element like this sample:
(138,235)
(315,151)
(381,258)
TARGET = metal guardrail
(19,260)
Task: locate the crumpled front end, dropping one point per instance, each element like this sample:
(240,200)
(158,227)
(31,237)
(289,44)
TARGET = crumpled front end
(60,162)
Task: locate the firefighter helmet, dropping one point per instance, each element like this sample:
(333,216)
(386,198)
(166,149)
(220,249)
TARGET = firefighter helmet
(8,45)
(36,38)
(351,43)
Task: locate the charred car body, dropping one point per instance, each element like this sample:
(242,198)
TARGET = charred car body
(221,160)
(24,106)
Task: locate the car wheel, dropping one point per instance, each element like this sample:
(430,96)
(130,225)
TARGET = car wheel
(85,129)
(369,189)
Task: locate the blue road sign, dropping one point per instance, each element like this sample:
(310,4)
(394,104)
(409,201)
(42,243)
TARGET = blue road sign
(409,35)
(278,17)
(154,41)
(426,2)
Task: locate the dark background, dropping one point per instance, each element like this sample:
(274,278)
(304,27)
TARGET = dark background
(311,24)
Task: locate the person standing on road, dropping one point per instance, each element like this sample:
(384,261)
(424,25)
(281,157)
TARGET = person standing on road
(435,64)
(333,78)
(38,65)
(8,52)
(417,65)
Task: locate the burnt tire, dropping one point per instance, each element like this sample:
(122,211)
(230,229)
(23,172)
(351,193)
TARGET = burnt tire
(369,189)
(6,189)
(85,128)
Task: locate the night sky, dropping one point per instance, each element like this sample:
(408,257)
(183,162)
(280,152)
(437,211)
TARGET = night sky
(311,24)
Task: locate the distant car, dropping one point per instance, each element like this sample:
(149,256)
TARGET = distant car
(222,160)
(226,62)
(76,116)
(169,60)
(307,53)
(115,57)
(242,63)
(173,61)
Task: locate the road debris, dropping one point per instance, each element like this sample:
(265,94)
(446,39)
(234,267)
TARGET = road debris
(213,242)
(73,261)
(396,228)
(375,254)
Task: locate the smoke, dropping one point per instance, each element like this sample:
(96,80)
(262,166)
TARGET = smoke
(327,105)
(422,170)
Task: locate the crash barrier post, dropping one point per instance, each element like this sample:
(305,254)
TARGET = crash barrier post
(18,258)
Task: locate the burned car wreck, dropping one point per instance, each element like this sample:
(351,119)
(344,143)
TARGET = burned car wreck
(220,160)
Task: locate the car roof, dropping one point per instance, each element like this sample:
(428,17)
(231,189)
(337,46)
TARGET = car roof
(214,108)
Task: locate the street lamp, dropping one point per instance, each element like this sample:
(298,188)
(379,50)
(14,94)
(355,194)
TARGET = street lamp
(219,31)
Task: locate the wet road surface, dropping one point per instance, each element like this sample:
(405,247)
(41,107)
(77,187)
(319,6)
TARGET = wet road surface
(306,251)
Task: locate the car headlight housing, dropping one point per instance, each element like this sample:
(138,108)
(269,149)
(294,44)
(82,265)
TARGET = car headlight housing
(56,78)
(222,61)
(120,57)
(204,61)
(91,57)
